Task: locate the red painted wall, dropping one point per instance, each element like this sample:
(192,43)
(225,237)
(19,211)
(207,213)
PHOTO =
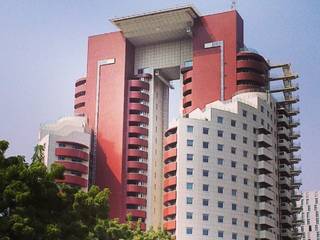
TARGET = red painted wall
(226,27)
(112,118)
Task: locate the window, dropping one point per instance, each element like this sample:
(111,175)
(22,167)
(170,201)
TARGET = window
(261,108)
(254,144)
(205,202)
(233,136)
(220,161)
(234,236)
(205,187)
(245,153)
(262,121)
(220,189)
(62,145)
(246,237)
(233,164)
(246,224)
(189,143)
(205,159)
(205,144)
(244,113)
(205,130)
(190,171)
(189,157)
(220,147)
(245,181)
(205,173)
(233,123)
(245,195)
(245,167)
(244,126)
(234,206)
(233,178)
(205,232)
(220,133)
(234,221)
(189,129)
(220,219)
(220,175)
(189,230)
(246,209)
(220,204)
(234,192)
(189,215)
(205,217)
(220,234)
(61,158)
(220,119)
(189,200)
(233,150)
(189,186)
(245,140)
(254,117)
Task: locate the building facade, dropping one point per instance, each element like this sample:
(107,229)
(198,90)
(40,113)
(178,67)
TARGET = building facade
(309,216)
(67,142)
(225,169)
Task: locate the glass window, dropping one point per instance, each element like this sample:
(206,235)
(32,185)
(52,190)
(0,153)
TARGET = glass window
(205,232)
(190,171)
(234,192)
(245,181)
(205,144)
(233,178)
(205,130)
(205,202)
(220,189)
(234,206)
(234,236)
(244,113)
(189,230)
(233,123)
(205,217)
(189,143)
(189,200)
(189,215)
(246,224)
(205,173)
(220,147)
(261,108)
(220,175)
(234,221)
(254,117)
(245,140)
(220,204)
(246,237)
(233,164)
(244,126)
(220,161)
(245,195)
(205,187)
(220,219)
(220,133)
(220,234)
(189,186)
(189,157)
(245,153)
(220,119)
(233,136)
(205,158)
(189,129)
(245,167)
(233,150)
(246,209)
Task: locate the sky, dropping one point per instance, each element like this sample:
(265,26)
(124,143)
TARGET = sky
(43,48)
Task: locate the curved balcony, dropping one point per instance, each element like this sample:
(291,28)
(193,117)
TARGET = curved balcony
(170,131)
(253,77)
(136,118)
(70,152)
(80,82)
(137,213)
(138,107)
(187,77)
(136,189)
(138,141)
(252,64)
(138,130)
(139,96)
(169,168)
(73,166)
(137,153)
(187,101)
(137,165)
(137,201)
(169,182)
(139,84)
(169,197)
(170,140)
(80,94)
(187,89)
(169,225)
(171,153)
(137,177)
(79,104)
(169,211)
(74,180)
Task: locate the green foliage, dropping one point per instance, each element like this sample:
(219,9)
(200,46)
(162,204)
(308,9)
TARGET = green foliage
(34,207)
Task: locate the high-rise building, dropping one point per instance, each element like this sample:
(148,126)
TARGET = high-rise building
(67,142)
(309,217)
(225,169)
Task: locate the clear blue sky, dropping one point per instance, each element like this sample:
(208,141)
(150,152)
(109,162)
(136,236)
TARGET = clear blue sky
(43,47)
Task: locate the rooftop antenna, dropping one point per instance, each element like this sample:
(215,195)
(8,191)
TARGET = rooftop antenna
(234,5)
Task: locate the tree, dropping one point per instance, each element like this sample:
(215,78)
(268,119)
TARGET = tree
(34,207)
